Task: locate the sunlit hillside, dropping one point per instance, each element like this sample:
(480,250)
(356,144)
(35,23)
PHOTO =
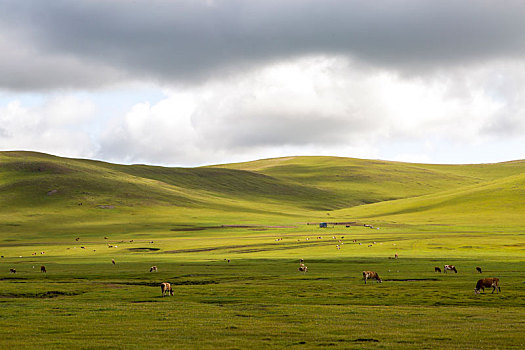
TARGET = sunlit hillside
(272,190)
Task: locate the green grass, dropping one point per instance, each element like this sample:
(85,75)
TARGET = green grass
(430,215)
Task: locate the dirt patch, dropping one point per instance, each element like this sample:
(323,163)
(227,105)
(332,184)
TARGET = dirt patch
(250,248)
(106,206)
(194,283)
(347,223)
(49,294)
(201,228)
(410,279)
(194,228)
(255,226)
(143,249)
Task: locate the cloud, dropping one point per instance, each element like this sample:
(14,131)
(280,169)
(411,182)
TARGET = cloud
(55,126)
(24,68)
(190,41)
(248,79)
(317,105)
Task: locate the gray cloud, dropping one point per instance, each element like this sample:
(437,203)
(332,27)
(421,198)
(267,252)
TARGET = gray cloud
(102,42)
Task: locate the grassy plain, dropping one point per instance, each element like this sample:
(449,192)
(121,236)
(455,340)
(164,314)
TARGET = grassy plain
(429,215)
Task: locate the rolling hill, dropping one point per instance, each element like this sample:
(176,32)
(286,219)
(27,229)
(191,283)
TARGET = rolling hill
(298,187)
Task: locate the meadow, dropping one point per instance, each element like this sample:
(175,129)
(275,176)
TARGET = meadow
(229,239)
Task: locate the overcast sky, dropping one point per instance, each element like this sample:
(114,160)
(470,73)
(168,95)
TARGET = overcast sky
(193,82)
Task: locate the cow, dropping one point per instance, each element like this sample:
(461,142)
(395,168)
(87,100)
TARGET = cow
(12,270)
(153,269)
(166,288)
(113,261)
(487,283)
(303,268)
(437,269)
(43,269)
(450,268)
(371,275)
(478,269)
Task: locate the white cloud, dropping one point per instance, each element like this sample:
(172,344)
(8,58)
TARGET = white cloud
(55,126)
(315,105)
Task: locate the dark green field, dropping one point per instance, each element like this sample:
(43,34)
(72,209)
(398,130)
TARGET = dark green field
(189,222)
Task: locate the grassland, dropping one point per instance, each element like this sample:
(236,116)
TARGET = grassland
(190,221)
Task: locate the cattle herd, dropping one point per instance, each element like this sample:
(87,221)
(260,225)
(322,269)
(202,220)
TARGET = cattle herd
(480,285)
(367,275)
(483,283)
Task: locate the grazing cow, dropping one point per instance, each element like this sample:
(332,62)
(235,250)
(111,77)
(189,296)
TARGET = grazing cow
(43,269)
(450,268)
(371,275)
(396,256)
(12,270)
(105,238)
(166,288)
(153,269)
(487,283)
(301,261)
(478,269)
(303,268)
(76,239)
(113,261)
(437,269)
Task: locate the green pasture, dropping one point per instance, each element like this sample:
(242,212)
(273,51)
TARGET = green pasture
(259,299)
(229,238)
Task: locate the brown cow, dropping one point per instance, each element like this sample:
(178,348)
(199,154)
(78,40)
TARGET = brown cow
(437,269)
(303,268)
(43,269)
(166,288)
(450,268)
(487,283)
(371,275)
(153,269)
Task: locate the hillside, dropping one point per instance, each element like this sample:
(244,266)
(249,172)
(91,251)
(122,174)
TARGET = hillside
(499,202)
(292,186)
(371,181)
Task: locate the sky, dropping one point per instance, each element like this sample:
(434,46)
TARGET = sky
(197,82)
